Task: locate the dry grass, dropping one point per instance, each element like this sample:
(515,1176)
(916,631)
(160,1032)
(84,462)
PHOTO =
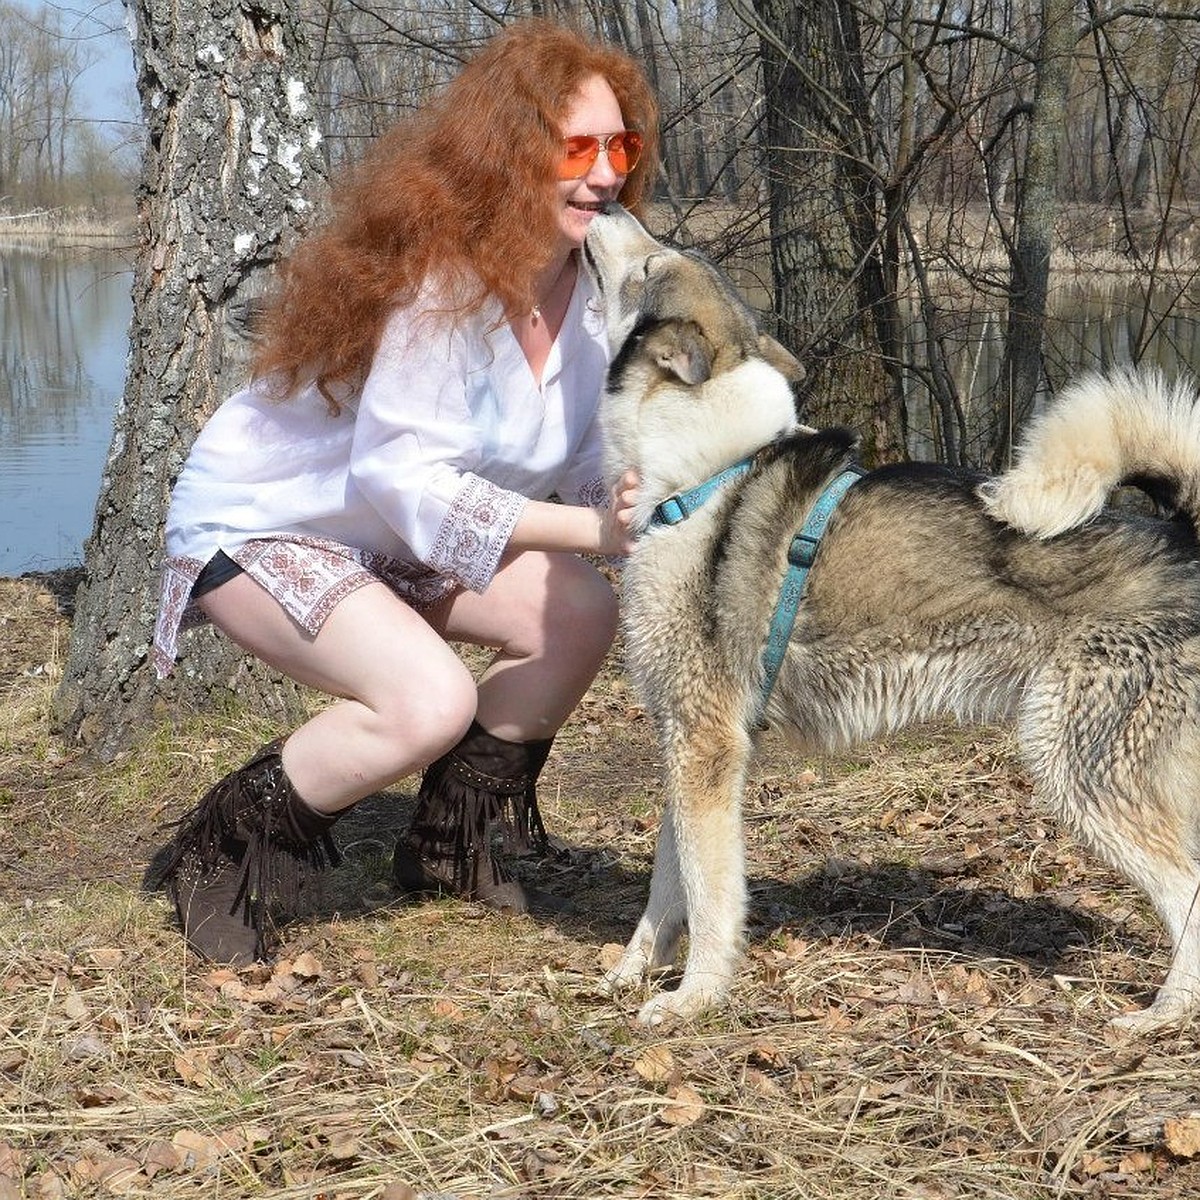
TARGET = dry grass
(921,1013)
(44,229)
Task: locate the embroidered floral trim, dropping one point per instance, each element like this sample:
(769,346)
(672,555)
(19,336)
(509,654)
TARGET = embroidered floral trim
(179,574)
(418,586)
(475,531)
(308,579)
(593,493)
(308,576)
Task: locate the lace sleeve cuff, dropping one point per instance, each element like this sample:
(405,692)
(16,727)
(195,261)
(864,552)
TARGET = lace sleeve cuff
(474,532)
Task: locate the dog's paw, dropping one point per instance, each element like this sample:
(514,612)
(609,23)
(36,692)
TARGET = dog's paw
(1160,1015)
(632,967)
(683,1004)
(653,948)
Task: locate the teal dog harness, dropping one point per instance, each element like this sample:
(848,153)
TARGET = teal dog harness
(801,553)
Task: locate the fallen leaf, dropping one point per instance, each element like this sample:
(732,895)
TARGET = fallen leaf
(49,1185)
(610,955)
(343,1148)
(11,1161)
(308,966)
(85,1047)
(201,1150)
(447,1010)
(398,1191)
(161,1156)
(198,1150)
(97,1095)
(1136,1161)
(233,989)
(1096,1164)
(765,1053)
(542,1163)
(194,1067)
(107,958)
(684,1106)
(1182,1136)
(656,1065)
(117,1175)
(524,1087)
(120,1176)
(250,1135)
(760,1082)
(75,1007)
(275,991)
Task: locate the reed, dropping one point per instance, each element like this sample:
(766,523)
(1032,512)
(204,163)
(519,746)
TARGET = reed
(46,228)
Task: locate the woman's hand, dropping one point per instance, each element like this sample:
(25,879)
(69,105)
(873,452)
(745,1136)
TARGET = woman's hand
(616,521)
(544,525)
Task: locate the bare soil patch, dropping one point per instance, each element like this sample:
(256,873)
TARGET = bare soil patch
(922,1012)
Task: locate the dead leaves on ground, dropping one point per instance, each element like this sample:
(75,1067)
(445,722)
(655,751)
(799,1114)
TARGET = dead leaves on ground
(225,1041)
(1181,1136)
(856,1046)
(94,1166)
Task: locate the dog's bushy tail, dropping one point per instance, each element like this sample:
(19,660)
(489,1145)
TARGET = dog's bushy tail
(1124,426)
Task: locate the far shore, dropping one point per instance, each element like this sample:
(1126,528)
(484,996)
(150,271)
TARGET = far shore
(1090,252)
(40,228)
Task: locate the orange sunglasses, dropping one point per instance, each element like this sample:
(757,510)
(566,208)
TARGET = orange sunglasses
(623,148)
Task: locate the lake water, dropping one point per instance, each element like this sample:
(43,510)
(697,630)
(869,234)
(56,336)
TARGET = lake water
(64,319)
(64,322)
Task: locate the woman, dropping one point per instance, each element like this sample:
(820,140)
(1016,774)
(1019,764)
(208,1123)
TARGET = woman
(428,380)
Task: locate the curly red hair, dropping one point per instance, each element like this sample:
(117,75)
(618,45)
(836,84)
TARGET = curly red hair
(466,185)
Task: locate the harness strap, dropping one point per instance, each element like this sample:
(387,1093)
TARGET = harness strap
(801,553)
(681,505)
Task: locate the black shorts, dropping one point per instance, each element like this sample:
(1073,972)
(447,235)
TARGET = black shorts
(218,570)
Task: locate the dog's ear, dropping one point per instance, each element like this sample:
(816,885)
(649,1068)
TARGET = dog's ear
(682,349)
(782,359)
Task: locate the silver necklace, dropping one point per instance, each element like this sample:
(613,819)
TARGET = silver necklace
(535,313)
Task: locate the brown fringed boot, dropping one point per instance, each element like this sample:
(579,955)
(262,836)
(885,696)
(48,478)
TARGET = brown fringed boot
(247,846)
(483,785)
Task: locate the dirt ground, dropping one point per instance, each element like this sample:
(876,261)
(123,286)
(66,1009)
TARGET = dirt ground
(922,1011)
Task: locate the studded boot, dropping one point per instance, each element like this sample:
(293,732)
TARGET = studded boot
(241,858)
(483,787)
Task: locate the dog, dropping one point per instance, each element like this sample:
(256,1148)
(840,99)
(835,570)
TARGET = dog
(933,593)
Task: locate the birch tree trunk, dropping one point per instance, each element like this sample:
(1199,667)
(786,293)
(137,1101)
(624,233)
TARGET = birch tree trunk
(232,168)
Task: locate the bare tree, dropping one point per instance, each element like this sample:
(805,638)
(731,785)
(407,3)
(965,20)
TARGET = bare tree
(232,169)
(823,197)
(920,158)
(48,145)
(1037,210)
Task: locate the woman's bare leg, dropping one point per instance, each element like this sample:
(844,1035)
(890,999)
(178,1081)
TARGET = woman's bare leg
(552,618)
(406,697)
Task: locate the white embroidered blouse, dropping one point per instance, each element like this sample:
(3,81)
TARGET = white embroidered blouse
(429,466)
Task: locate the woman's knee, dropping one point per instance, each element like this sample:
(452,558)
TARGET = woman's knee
(581,605)
(539,604)
(429,712)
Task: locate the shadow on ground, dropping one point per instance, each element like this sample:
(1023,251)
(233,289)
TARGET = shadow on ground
(900,906)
